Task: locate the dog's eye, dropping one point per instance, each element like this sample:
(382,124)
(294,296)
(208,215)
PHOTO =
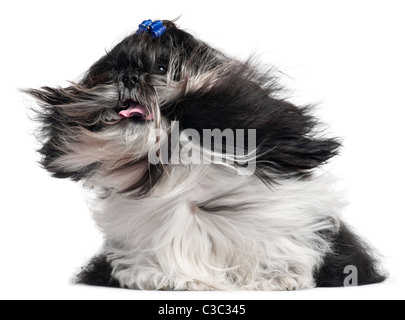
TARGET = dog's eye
(161,70)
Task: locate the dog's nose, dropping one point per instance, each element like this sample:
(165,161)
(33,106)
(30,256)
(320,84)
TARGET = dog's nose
(130,79)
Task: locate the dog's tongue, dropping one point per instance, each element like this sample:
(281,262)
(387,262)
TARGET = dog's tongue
(135,110)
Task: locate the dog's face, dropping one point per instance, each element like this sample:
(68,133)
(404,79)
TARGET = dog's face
(140,69)
(100,127)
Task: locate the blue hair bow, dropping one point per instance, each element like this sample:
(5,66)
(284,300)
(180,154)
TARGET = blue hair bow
(156,29)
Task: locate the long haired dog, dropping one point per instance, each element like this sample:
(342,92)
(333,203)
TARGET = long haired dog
(182,206)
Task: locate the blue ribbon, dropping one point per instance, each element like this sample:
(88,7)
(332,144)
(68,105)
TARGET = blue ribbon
(156,29)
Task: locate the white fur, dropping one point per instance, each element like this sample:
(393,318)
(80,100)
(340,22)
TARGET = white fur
(253,237)
(203,227)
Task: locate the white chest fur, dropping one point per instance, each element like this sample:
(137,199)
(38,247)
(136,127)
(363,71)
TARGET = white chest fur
(206,229)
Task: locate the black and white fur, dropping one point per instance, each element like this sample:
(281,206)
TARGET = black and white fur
(198,227)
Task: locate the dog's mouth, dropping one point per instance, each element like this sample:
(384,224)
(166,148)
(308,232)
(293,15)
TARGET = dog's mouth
(135,111)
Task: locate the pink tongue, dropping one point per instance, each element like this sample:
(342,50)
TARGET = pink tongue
(134,110)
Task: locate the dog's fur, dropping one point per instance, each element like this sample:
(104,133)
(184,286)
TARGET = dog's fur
(198,227)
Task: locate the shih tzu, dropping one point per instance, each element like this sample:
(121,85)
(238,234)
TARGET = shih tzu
(202,177)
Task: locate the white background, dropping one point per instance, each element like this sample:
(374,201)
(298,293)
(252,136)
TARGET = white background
(348,56)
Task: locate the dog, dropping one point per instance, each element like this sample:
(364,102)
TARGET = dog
(179,212)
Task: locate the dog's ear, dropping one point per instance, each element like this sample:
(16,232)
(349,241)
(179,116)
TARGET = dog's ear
(63,113)
(239,98)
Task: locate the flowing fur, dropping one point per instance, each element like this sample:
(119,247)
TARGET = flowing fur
(198,227)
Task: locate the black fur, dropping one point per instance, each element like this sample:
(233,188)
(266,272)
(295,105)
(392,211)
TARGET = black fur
(58,125)
(97,273)
(141,53)
(285,133)
(242,97)
(349,250)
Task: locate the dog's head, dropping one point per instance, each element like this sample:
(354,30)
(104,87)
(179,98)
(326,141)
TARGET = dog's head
(102,125)
(147,72)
